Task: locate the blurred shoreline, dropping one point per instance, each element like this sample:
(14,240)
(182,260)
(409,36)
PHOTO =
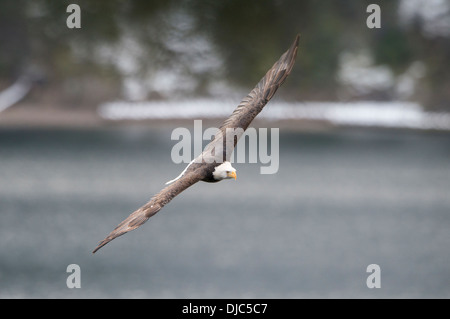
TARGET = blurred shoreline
(34,118)
(304,116)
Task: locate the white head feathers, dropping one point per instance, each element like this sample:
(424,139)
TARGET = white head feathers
(224,171)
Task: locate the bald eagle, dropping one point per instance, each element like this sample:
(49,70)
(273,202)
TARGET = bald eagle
(213,164)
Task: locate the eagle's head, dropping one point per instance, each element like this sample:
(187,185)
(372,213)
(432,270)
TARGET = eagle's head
(224,171)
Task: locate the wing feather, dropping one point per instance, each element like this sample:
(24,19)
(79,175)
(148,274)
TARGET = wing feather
(141,215)
(254,102)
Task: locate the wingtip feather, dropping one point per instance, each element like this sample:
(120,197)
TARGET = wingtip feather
(135,220)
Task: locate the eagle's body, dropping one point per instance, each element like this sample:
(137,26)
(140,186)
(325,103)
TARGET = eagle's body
(213,165)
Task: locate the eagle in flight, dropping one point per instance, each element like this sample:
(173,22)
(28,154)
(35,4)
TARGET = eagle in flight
(213,164)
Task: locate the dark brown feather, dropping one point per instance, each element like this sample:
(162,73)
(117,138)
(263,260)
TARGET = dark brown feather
(157,202)
(253,104)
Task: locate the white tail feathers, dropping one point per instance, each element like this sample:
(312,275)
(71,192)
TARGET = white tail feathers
(182,173)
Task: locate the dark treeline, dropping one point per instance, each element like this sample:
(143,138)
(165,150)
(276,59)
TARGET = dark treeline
(75,69)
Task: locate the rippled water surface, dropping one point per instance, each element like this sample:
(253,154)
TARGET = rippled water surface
(340,201)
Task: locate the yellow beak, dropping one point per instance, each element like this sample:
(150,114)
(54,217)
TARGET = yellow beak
(232,174)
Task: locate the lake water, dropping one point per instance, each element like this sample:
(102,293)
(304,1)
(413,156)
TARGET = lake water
(341,200)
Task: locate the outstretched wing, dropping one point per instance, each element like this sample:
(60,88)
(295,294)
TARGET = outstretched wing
(157,202)
(235,125)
